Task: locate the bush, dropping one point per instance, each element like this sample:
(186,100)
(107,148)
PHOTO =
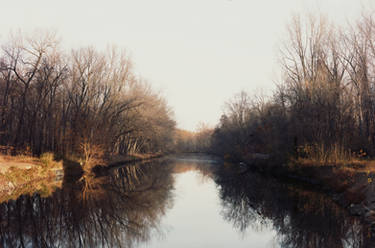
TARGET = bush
(92,156)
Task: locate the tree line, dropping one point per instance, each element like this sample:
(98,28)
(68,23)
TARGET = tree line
(80,101)
(198,141)
(324,106)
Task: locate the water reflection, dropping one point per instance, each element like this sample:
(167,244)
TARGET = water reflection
(119,210)
(301,218)
(124,208)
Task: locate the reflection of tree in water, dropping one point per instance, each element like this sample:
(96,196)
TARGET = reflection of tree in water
(204,164)
(118,210)
(301,218)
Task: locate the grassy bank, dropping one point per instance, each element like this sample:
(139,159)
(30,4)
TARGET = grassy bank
(26,174)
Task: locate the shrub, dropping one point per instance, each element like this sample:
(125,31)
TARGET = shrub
(92,156)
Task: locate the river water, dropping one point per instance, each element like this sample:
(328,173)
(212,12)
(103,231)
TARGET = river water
(181,201)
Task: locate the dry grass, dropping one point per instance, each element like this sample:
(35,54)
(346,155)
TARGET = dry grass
(45,160)
(48,161)
(352,166)
(19,159)
(20,174)
(338,175)
(28,185)
(328,155)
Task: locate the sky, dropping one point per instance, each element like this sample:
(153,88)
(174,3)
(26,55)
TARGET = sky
(197,53)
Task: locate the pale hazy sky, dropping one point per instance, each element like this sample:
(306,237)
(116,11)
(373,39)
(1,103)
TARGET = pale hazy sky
(198,53)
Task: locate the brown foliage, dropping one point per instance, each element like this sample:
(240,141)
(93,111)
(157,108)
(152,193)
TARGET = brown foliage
(84,101)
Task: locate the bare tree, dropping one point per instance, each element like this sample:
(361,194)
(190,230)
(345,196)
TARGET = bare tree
(55,101)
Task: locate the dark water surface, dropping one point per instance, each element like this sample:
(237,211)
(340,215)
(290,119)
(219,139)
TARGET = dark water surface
(185,201)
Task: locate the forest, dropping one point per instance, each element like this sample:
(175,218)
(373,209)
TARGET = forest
(92,102)
(323,108)
(82,101)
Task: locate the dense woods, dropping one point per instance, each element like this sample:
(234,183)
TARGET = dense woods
(198,141)
(324,106)
(84,101)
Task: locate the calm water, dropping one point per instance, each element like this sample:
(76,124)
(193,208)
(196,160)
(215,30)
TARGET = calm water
(190,201)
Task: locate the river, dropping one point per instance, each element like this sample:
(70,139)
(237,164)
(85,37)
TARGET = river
(179,201)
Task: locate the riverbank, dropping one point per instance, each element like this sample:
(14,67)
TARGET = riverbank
(351,185)
(26,174)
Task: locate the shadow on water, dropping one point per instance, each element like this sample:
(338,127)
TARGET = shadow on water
(117,210)
(300,217)
(124,208)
